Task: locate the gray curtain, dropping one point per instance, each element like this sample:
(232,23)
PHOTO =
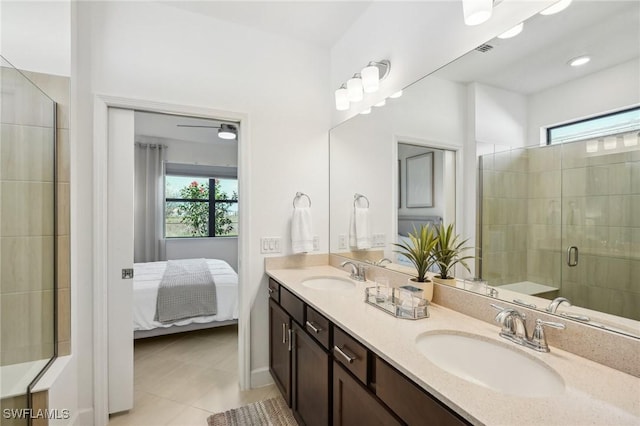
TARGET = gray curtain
(149,245)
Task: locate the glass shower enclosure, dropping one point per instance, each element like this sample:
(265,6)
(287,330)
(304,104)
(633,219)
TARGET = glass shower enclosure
(27,239)
(564,220)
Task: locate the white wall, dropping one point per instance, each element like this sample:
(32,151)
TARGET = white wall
(151,51)
(500,116)
(418,38)
(577,99)
(35,36)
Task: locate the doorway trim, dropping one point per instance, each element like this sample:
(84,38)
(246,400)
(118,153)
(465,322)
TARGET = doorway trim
(100,232)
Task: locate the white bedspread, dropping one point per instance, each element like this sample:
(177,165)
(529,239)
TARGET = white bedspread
(147,278)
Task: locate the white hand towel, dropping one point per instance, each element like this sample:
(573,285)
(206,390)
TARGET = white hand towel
(363,228)
(352,230)
(301,230)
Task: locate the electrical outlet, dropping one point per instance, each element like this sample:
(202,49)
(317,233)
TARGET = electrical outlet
(342,242)
(316,243)
(270,245)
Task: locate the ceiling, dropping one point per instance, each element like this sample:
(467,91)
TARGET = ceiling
(537,58)
(165,126)
(321,23)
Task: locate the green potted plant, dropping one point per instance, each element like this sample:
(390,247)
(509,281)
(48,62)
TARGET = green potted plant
(447,252)
(419,250)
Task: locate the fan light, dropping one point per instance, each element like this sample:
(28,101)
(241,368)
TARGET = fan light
(227,131)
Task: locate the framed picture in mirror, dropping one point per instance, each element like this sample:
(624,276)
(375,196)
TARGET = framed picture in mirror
(420,180)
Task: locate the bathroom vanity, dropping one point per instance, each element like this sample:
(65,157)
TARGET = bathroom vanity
(338,360)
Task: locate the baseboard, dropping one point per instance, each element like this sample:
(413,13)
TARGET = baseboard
(261,377)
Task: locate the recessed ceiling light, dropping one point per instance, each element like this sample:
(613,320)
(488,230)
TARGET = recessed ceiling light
(557,7)
(579,61)
(381,103)
(513,31)
(396,95)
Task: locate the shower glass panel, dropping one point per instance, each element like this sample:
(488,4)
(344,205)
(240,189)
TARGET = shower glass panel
(27,231)
(564,220)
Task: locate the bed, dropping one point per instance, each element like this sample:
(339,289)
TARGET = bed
(147,277)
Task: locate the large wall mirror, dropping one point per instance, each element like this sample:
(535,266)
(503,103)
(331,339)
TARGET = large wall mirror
(468,144)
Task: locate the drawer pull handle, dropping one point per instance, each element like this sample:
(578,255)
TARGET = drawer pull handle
(313,327)
(346,356)
(271,290)
(284,333)
(291,336)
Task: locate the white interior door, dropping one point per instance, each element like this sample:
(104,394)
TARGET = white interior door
(120,172)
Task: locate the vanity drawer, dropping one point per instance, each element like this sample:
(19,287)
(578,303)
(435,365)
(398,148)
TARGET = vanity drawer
(350,353)
(293,305)
(317,326)
(274,290)
(411,403)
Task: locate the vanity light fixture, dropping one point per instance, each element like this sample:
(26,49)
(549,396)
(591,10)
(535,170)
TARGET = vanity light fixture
(556,8)
(512,32)
(396,95)
(579,61)
(476,11)
(592,146)
(610,143)
(342,99)
(354,89)
(373,73)
(366,81)
(381,103)
(366,111)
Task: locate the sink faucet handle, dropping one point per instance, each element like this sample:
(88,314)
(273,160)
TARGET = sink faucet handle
(539,339)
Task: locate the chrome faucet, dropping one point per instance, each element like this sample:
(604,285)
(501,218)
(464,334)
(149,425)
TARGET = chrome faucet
(514,328)
(357,271)
(381,261)
(555,303)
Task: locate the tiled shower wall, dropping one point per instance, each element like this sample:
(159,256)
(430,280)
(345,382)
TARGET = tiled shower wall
(26,234)
(538,202)
(504,217)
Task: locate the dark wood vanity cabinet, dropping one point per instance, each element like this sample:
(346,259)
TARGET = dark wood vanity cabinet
(353,404)
(328,377)
(279,348)
(309,379)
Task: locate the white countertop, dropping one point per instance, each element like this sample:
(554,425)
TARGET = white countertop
(594,394)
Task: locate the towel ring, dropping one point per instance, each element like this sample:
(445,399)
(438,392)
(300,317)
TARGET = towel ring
(299,195)
(357,196)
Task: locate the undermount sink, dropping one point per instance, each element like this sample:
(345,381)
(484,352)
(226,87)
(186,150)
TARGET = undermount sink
(329,283)
(490,364)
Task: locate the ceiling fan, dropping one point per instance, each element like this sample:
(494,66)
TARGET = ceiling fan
(225,131)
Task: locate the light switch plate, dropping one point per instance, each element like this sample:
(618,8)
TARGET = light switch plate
(316,243)
(342,242)
(270,245)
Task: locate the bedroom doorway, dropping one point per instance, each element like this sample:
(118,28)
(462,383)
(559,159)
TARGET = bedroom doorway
(110,164)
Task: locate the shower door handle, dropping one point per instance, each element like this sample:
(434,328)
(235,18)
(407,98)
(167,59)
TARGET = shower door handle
(572,256)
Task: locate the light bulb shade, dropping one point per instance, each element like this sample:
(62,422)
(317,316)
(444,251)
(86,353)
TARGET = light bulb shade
(227,131)
(366,111)
(476,11)
(512,32)
(370,79)
(381,103)
(557,7)
(354,89)
(342,100)
(396,95)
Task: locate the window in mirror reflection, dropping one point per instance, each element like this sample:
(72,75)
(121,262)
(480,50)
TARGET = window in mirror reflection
(607,125)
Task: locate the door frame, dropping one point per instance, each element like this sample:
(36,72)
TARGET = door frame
(100,232)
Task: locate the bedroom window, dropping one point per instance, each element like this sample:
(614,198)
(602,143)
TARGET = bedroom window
(199,207)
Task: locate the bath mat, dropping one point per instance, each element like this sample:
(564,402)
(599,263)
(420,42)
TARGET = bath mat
(271,412)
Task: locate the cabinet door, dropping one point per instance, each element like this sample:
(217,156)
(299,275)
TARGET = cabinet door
(280,349)
(354,405)
(310,380)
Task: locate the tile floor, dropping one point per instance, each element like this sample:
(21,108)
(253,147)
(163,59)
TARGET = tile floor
(184,378)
